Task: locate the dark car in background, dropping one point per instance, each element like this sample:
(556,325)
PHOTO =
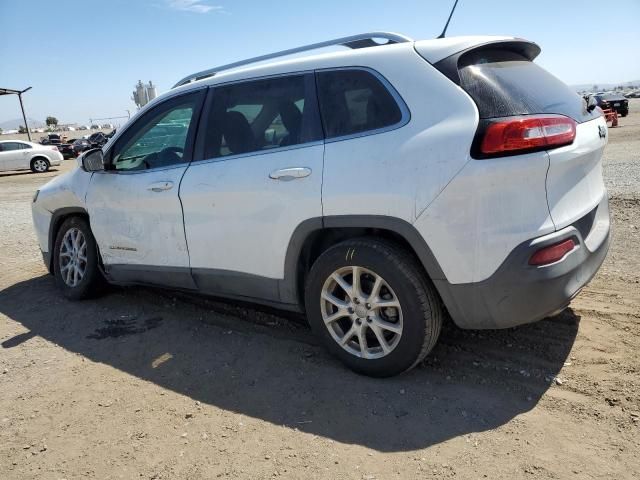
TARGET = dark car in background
(98,139)
(51,139)
(80,145)
(614,101)
(64,146)
(66,149)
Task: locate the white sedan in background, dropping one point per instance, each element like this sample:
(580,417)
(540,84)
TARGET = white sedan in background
(20,155)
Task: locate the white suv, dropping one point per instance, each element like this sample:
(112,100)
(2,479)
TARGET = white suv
(377,189)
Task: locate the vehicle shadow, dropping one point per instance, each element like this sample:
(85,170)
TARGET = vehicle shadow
(16,173)
(257,363)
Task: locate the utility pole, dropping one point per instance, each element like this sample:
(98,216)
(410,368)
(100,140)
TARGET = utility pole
(26,124)
(10,91)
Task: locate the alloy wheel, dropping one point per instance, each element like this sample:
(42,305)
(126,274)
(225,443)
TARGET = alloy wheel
(73,257)
(361,312)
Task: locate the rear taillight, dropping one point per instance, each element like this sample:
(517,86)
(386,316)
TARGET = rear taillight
(527,133)
(552,253)
(55,148)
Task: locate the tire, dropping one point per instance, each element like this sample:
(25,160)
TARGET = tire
(414,327)
(91,281)
(40,165)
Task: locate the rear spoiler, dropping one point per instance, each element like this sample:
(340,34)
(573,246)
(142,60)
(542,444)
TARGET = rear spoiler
(450,65)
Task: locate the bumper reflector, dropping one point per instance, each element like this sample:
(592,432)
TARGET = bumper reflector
(552,253)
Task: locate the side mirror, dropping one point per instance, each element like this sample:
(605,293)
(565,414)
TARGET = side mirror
(591,104)
(93,160)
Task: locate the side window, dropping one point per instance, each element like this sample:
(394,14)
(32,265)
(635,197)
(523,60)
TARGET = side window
(11,146)
(261,115)
(25,146)
(354,101)
(160,138)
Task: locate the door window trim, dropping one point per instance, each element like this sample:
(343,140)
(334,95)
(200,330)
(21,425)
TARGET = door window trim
(134,128)
(309,79)
(402,105)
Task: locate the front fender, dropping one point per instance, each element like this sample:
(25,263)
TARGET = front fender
(62,196)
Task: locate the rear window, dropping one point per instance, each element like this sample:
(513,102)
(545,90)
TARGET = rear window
(505,83)
(613,98)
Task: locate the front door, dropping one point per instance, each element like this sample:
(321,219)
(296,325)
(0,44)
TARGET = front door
(260,178)
(133,205)
(13,156)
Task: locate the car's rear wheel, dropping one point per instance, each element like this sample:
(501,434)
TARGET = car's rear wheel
(372,307)
(76,260)
(39,165)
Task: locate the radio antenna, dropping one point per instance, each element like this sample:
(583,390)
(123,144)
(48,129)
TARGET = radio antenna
(448,20)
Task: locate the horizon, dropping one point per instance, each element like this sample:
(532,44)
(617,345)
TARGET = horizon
(76,74)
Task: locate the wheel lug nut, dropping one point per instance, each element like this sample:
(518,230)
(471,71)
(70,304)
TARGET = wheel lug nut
(369,320)
(358,321)
(368,305)
(351,310)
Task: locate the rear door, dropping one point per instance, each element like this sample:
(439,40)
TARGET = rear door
(362,172)
(134,207)
(260,177)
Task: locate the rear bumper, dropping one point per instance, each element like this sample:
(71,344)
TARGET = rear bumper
(518,293)
(57,158)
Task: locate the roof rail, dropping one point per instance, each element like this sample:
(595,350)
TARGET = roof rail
(355,41)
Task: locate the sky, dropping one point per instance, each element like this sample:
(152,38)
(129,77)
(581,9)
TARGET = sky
(84,57)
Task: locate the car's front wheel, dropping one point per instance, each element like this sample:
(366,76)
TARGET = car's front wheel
(76,261)
(372,307)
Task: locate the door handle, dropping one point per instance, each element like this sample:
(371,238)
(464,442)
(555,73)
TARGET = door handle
(288,174)
(160,186)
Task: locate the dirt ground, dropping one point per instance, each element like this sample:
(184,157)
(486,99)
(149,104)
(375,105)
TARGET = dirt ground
(150,384)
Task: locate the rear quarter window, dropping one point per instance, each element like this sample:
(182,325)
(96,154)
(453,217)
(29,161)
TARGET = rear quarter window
(504,83)
(354,101)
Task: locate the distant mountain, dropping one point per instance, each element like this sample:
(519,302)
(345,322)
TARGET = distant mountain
(604,86)
(14,124)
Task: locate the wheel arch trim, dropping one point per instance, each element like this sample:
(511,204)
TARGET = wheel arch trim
(289,288)
(57,217)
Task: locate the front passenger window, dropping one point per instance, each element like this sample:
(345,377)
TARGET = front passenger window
(160,138)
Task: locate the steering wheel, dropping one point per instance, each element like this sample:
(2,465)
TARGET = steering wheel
(166,156)
(171,150)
